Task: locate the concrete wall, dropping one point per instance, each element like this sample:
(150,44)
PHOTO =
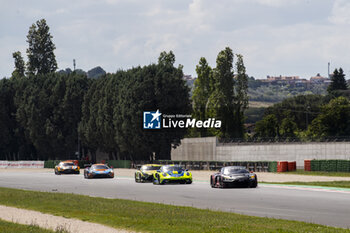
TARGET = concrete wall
(207,149)
(195,149)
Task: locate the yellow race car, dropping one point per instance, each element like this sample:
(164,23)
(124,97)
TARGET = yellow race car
(146,172)
(172,174)
(67,167)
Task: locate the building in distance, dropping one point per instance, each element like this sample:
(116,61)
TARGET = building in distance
(319,79)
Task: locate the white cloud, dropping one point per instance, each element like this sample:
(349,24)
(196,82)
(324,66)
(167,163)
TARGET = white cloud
(274,36)
(278,3)
(340,12)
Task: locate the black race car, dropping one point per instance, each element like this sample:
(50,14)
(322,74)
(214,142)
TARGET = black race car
(233,176)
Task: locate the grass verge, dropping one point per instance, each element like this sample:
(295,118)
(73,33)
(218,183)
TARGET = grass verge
(19,228)
(334,184)
(318,173)
(149,217)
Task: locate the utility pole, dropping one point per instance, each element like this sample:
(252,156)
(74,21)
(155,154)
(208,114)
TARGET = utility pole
(78,146)
(307,116)
(78,152)
(328,68)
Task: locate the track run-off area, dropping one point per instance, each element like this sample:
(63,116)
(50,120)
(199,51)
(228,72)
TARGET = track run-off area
(327,206)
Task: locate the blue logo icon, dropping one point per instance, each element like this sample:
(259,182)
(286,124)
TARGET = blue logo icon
(151,120)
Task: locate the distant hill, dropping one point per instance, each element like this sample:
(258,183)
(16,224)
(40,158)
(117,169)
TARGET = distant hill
(93,73)
(96,72)
(277,92)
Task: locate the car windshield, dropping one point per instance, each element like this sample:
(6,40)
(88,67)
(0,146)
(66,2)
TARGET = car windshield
(99,167)
(232,170)
(67,164)
(150,168)
(172,168)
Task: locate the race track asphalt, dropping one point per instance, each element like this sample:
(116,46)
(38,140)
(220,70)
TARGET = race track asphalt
(322,206)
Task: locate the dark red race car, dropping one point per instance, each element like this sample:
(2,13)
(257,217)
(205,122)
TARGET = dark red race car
(233,176)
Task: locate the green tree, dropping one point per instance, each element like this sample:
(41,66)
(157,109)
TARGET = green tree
(24,148)
(267,128)
(19,64)
(241,96)
(288,128)
(166,59)
(49,109)
(41,57)
(221,99)
(88,130)
(113,108)
(202,91)
(338,81)
(7,122)
(157,86)
(303,109)
(229,98)
(333,121)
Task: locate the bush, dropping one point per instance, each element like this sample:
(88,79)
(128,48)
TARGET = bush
(343,166)
(330,165)
(315,165)
(272,166)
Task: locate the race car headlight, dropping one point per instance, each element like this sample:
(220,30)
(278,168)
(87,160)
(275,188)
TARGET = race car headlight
(187,174)
(164,174)
(252,176)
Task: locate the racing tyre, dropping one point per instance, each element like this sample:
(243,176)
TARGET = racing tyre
(189,182)
(222,184)
(254,184)
(141,179)
(159,181)
(212,182)
(156,180)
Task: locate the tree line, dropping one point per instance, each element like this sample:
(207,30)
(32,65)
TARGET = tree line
(221,93)
(309,117)
(46,114)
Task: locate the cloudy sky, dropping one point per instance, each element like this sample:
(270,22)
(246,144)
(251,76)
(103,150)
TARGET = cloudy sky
(275,37)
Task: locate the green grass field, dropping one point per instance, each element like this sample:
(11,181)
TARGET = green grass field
(335,184)
(318,173)
(149,217)
(9,227)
